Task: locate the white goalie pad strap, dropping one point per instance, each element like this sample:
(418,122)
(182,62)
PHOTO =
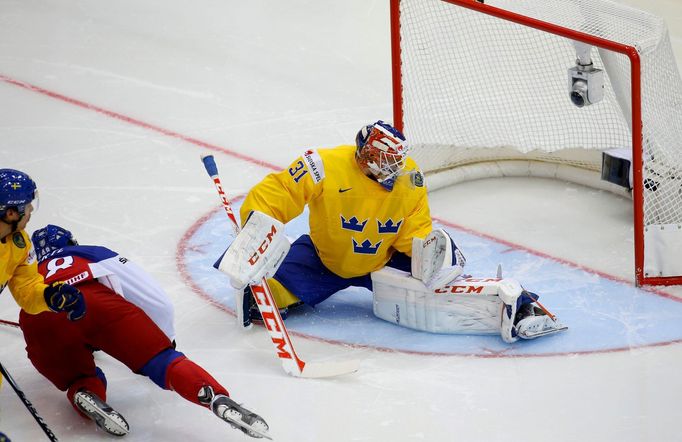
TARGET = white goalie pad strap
(509,291)
(434,259)
(465,306)
(256,252)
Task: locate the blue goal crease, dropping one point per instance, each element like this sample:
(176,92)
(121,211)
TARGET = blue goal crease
(602,314)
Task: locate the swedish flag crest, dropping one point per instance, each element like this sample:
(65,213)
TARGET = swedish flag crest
(18,240)
(417,178)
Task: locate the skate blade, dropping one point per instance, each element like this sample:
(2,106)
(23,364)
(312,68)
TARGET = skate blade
(544,332)
(104,420)
(252,431)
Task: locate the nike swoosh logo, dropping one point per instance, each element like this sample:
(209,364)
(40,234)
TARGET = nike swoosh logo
(344,190)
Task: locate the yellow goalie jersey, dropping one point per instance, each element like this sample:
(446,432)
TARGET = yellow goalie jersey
(19,270)
(355,223)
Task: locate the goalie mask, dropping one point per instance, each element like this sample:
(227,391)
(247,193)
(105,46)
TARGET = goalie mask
(17,190)
(381,152)
(51,238)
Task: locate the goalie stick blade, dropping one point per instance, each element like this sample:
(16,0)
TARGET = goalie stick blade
(329,369)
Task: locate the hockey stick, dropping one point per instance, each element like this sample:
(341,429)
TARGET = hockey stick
(272,320)
(9,323)
(50,435)
(547,312)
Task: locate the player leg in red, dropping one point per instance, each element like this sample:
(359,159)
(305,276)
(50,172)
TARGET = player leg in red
(61,350)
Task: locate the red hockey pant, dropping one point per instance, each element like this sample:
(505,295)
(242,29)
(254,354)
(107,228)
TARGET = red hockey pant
(62,350)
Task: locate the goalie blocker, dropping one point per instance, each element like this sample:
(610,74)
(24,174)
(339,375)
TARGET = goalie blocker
(463,306)
(256,252)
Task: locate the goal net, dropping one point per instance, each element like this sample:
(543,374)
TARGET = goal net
(482,90)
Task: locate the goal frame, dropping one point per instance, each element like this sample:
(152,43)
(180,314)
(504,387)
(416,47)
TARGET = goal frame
(635,91)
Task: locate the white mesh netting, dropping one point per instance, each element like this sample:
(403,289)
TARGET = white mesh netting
(477,88)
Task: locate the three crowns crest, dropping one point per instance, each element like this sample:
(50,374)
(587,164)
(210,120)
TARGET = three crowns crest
(366,248)
(353,224)
(389,227)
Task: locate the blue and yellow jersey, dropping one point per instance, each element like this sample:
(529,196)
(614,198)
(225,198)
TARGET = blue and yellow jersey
(19,271)
(355,223)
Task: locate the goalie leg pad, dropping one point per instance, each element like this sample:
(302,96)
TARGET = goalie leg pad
(465,306)
(458,309)
(256,252)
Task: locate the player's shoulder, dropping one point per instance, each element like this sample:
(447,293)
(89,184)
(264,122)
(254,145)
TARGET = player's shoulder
(94,253)
(339,157)
(410,163)
(320,161)
(90,253)
(19,239)
(20,245)
(413,180)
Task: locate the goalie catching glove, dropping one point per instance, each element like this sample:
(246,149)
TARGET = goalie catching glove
(436,260)
(256,252)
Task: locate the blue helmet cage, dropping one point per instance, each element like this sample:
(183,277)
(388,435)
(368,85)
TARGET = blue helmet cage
(51,238)
(17,190)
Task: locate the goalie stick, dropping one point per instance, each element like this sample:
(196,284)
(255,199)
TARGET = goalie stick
(50,435)
(293,365)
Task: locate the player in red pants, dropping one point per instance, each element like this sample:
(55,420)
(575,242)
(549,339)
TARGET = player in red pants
(62,350)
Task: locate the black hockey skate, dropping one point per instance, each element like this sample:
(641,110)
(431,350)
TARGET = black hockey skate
(99,411)
(251,311)
(239,417)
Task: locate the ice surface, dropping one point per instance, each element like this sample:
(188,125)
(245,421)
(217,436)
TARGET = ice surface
(109,105)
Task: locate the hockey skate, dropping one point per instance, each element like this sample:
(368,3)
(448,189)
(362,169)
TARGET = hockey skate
(532,323)
(239,417)
(251,312)
(99,411)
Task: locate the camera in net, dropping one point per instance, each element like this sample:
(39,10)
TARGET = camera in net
(585,85)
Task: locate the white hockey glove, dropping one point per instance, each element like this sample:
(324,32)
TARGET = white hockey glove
(436,260)
(256,252)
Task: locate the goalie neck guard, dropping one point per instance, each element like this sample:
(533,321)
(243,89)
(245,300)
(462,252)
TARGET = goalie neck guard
(381,152)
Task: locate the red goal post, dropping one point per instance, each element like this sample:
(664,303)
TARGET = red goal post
(482,90)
